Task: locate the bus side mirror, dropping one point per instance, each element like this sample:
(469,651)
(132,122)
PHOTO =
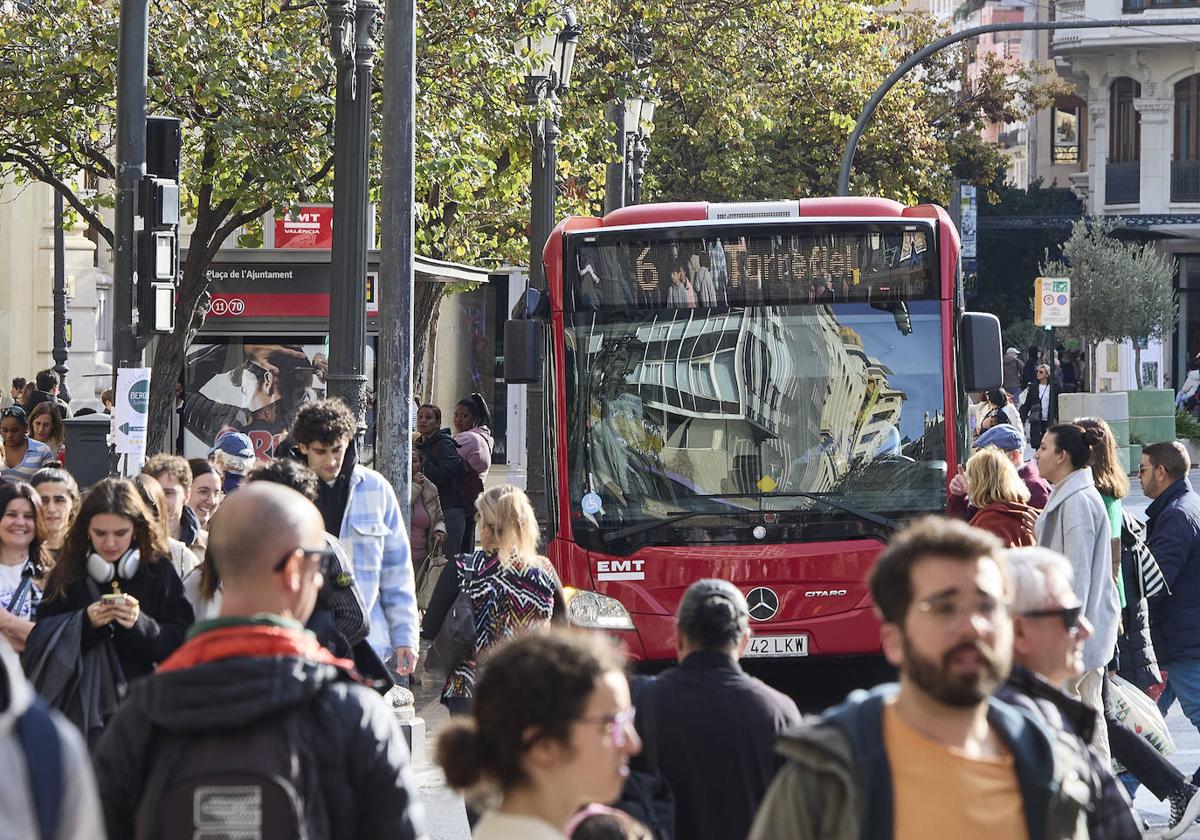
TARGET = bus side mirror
(982,356)
(523,339)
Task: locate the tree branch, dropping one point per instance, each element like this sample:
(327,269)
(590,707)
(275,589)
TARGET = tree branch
(40,173)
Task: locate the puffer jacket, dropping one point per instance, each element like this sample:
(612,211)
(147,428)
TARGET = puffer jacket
(475,449)
(234,673)
(441,464)
(1075,524)
(1012,522)
(837,784)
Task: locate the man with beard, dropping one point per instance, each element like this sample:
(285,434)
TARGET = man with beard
(936,755)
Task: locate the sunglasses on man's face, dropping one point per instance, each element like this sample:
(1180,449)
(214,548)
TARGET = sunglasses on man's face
(324,556)
(1068,615)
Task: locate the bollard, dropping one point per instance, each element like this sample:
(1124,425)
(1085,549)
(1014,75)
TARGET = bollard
(404,708)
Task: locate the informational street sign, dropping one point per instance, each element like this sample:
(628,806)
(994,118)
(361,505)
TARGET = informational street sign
(967,219)
(132,410)
(1052,301)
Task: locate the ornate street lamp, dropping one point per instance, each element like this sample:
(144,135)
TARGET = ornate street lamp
(549,79)
(639,122)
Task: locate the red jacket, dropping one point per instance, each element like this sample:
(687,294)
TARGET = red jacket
(1012,522)
(1039,493)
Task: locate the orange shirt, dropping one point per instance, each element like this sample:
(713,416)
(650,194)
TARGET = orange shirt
(940,793)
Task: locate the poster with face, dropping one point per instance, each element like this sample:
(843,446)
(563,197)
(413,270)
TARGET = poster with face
(255,386)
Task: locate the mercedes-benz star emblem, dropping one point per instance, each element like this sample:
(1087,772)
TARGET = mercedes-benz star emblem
(763,603)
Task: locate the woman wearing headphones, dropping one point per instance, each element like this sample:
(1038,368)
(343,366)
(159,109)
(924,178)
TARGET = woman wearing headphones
(115,565)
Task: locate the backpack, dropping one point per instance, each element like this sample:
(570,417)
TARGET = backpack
(42,746)
(647,796)
(256,781)
(455,640)
(470,485)
(342,597)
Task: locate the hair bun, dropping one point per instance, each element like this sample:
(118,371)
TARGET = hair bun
(459,753)
(1093,435)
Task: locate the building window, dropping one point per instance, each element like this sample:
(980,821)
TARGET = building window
(1124,140)
(1187,119)
(1066,135)
(1142,5)
(103,318)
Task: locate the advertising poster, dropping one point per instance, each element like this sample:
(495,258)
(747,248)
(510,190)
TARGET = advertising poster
(308,226)
(133,404)
(254,385)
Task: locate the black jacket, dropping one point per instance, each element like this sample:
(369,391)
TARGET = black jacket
(1031,399)
(160,629)
(361,759)
(1111,815)
(441,464)
(715,729)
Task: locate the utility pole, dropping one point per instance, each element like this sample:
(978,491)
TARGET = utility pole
(131,166)
(352,41)
(393,429)
(940,44)
(59,294)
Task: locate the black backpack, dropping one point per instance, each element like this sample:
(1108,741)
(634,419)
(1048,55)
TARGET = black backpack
(257,781)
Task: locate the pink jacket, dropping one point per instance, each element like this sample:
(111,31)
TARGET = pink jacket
(475,448)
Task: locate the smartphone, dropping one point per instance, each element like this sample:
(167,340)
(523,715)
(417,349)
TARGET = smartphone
(113,598)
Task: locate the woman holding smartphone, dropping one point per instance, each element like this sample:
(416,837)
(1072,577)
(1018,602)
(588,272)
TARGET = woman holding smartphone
(115,566)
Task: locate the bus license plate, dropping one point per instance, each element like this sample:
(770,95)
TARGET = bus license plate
(772,646)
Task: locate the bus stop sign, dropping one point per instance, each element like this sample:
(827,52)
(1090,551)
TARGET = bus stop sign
(1052,301)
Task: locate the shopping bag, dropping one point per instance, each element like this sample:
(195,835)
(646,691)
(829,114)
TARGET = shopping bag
(1135,711)
(428,578)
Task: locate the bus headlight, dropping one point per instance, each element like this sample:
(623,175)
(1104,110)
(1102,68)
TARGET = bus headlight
(595,611)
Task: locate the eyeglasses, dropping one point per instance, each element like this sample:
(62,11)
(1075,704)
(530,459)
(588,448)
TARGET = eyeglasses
(948,612)
(324,556)
(617,726)
(1068,615)
(1145,468)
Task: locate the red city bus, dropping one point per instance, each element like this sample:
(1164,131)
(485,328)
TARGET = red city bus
(757,392)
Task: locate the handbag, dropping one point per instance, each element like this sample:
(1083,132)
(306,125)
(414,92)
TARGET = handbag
(428,578)
(1137,661)
(1135,711)
(455,640)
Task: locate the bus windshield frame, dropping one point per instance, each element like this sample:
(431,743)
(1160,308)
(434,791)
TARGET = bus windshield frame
(806,403)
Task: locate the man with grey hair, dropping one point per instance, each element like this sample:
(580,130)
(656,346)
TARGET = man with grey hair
(1049,630)
(706,722)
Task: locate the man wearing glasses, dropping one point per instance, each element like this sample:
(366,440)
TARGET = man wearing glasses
(1049,630)
(936,755)
(1173,536)
(252,723)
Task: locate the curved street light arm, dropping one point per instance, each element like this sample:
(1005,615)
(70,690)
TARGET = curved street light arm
(920,55)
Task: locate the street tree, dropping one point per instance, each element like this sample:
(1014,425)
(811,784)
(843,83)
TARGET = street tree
(1119,291)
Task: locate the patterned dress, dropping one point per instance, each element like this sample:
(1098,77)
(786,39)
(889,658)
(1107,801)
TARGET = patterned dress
(507,601)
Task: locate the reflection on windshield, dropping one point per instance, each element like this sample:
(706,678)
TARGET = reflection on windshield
(730,411)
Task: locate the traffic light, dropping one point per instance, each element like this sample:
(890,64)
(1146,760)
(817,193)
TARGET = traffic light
(158,238)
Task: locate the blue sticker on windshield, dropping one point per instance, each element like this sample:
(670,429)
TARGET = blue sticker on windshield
(591,503)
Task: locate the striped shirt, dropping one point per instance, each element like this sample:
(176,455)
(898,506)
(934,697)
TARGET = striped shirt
(37,455)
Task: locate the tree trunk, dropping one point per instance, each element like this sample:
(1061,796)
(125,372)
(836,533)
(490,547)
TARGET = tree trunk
(1137,366)
(427,301)
(167,366)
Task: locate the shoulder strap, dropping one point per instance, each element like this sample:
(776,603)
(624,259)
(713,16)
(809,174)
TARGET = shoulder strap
(43,754)
(18,598)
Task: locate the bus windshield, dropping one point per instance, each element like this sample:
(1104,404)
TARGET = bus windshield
(813,413)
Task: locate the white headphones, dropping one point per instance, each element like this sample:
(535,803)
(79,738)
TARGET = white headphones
(103,571)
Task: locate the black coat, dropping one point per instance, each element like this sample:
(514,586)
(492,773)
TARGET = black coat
(357,748)
(1031,399)
(441,464)
(716,730)
(160,629)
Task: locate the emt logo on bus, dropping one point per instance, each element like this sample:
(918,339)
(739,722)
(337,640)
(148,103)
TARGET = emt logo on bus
(620,570)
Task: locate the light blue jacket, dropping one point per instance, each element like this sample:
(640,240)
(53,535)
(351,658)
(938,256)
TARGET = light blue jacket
(374,536)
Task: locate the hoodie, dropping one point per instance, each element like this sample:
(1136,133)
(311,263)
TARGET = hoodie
(475,448)
(236,673)
(1012,522)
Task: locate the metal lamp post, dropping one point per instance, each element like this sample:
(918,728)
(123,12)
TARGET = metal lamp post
(59,295)
(550,79)
(353,25)
(639,120)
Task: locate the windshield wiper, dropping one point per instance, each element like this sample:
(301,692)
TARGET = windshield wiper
(865,515)
(630,530)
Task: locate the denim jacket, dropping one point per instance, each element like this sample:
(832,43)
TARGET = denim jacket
(373,534)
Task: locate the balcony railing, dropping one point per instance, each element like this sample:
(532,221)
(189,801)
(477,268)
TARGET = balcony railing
(1142,5)
(1123,183)
(1185,180)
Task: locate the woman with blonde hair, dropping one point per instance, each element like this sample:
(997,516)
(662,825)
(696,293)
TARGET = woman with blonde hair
(996,489)
(512,588)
